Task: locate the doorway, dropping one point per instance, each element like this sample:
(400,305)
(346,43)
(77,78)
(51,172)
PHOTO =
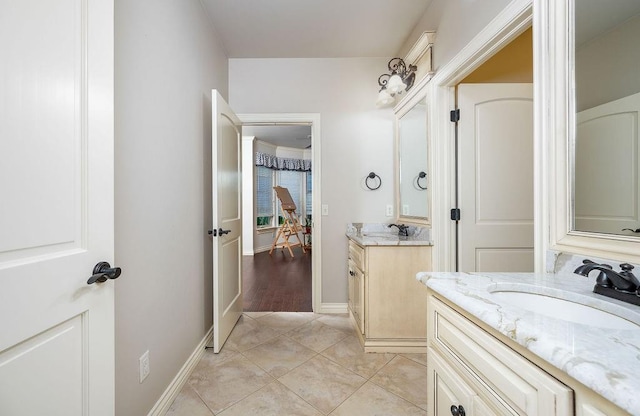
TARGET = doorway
(277,281)
(274,278)
(502,31)
(495,162)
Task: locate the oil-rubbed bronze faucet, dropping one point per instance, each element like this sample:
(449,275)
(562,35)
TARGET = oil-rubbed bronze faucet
(622,285)
(402,229)
(624,281)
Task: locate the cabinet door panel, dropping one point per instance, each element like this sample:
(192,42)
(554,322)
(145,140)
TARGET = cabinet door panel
(356,294)
(358,298)
(447,387)
(523,385)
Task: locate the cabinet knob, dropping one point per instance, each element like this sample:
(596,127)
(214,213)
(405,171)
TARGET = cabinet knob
(457,410)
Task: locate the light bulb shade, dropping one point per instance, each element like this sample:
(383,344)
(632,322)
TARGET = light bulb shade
(384,98)
(395,84)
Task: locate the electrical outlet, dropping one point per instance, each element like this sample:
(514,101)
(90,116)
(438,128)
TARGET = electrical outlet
(389,211)
(325,209)
(405,210)
(145,367)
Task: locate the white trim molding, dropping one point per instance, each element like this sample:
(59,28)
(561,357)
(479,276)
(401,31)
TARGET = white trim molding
(164,402)
(312,119)
(333,308)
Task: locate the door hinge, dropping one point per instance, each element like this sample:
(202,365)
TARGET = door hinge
(455,214)
(455,115)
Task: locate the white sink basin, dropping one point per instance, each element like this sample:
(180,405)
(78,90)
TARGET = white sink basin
(563,309)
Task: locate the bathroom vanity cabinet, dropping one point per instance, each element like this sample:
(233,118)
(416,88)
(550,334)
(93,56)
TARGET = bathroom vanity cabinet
(473,370)
(386,302)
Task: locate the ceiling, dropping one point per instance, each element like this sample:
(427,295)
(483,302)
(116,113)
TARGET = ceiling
(314,28)
(288,136)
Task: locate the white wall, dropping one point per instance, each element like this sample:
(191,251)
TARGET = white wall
(607,67)
(167,61)
(356,138)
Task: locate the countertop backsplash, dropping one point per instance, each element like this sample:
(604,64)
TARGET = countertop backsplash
(559,262)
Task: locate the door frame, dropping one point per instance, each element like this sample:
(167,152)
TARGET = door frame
(316,239)
(504,28)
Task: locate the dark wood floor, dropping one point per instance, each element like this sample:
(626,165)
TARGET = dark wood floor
(277,282)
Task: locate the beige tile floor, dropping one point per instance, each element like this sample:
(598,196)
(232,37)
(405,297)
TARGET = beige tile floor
(301,363)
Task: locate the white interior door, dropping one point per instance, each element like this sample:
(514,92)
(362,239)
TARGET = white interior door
(56,207)
(495,162)
(227,220)
(607,193)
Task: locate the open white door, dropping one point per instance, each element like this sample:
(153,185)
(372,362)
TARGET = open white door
(56,207)
(226,167)
(496,177)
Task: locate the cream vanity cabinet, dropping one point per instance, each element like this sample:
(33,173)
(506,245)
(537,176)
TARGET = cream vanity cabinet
(386,302)
(471,372)
(470,368)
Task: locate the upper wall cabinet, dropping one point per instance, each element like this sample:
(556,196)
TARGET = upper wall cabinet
(591,100)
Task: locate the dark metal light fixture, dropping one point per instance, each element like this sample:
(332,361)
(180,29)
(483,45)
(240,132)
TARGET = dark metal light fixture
(400,78)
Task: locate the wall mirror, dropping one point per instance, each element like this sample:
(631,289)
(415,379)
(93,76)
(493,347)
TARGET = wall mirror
(413,176)
(605,149)
(586,56)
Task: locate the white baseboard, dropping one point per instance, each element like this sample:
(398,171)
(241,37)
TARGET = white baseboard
(262,249)
(333,308)
(164,402)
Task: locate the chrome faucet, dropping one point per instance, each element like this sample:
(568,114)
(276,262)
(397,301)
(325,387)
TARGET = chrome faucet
(402,229)
(623,281)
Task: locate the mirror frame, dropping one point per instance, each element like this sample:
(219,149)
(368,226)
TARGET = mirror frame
(556,115)
(417,94)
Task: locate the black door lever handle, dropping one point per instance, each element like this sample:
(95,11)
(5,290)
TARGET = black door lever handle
(222,232)
(103,271)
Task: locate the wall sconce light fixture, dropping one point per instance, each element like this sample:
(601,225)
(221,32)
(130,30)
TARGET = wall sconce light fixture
(399,79)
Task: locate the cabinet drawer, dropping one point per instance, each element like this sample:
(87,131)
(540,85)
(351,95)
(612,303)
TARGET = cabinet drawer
(447,388)
(519,382)
(356,254)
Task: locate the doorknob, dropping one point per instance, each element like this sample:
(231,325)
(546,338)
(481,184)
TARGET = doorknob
(103,271)
(222,232)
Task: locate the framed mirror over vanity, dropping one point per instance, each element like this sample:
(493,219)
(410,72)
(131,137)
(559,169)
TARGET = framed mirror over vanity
(592,130)
(412,173)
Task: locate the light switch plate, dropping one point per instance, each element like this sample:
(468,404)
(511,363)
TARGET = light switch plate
(325,209)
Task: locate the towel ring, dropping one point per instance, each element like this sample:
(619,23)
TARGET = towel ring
(421,175)
(372,175)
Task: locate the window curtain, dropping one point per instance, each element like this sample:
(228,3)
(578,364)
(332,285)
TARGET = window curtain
(281,163)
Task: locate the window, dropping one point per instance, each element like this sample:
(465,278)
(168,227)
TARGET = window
(268,205)
(293,182)
(264,197)
(308,198)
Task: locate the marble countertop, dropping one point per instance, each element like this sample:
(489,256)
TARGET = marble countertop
(603,359)
(378,234)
